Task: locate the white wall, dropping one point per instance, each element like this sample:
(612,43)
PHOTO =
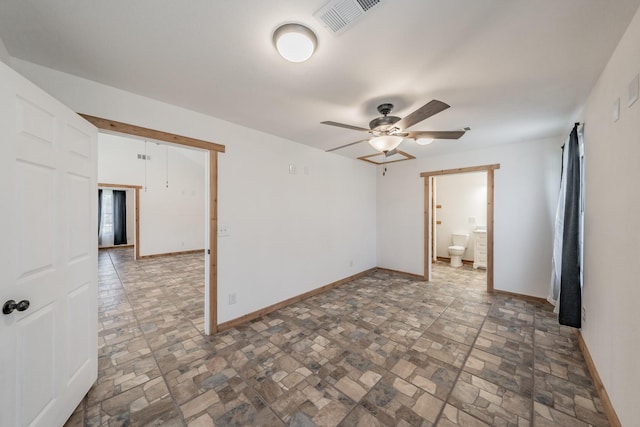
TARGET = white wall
(288,233)
(172,218)
(526,188)
(462,197)
(611,291)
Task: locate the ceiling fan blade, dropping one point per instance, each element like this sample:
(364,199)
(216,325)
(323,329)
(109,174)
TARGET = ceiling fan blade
(347,145)
(342,125)
(456,134)
(427,110)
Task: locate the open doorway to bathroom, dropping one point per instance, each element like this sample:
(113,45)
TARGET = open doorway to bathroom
(459,224)
(430,217)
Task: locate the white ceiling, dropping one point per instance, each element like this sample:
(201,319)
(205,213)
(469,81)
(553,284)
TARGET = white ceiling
(512,70)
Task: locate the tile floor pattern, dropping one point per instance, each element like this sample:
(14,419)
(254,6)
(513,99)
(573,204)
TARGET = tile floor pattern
(382,350)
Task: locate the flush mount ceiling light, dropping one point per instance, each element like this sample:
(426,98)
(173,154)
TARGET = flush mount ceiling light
(295,42)
(385,143)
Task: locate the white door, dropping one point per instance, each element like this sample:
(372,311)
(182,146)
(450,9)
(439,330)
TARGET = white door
(48,255)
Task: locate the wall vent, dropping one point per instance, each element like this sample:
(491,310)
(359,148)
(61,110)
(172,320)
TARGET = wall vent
(340,15)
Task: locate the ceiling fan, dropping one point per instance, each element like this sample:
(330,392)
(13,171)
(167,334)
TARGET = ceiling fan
(389,131)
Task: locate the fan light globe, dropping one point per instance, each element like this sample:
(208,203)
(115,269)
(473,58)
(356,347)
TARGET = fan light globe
(385,142)
(424,141)
(295,42)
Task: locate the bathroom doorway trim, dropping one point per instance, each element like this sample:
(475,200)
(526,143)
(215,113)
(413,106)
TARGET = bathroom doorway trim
(428,216)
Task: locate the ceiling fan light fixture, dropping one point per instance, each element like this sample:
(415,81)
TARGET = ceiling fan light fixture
(424,141)
(295,42)
(385,142)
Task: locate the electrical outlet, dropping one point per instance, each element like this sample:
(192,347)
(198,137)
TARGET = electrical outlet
(232,298)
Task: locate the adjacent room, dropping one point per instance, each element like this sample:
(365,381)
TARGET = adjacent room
(319,213)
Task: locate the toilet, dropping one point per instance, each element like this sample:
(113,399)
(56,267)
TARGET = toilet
(457,250)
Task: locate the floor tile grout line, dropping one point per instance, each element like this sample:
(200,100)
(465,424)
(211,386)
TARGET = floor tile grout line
(152,352)
(389,371)
(303,364)
(385,371)
(464,362)
(248,384)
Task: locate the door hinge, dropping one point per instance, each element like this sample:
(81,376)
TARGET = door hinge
(208,251)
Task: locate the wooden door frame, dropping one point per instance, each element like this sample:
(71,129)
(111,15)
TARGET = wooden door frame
(112,126)
(490,215)
(136,189)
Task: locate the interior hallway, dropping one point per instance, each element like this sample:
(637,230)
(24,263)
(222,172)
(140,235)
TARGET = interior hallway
(381,350)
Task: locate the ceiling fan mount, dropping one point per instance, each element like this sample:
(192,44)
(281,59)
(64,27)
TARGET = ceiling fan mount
(386,121)
(385,109)
(392,127)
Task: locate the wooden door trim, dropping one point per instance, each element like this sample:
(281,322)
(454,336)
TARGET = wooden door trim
(213,241)
(136,188)
(461,170)
(213,149)
(490,215)
(119,127)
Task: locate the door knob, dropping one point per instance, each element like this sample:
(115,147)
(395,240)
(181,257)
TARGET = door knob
(11,305)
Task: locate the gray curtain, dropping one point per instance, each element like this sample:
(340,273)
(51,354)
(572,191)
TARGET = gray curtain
(99,211)
(119,217)
(570,286)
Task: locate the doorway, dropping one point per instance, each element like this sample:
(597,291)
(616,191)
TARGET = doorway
(132,215)
(429,226)
(211,194)
(459,207)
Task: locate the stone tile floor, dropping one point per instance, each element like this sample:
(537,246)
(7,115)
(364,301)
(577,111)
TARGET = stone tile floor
(383,350)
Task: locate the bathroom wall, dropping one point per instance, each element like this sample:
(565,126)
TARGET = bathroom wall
(463,198)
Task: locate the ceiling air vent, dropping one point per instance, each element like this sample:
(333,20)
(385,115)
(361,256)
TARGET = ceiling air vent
(340,15)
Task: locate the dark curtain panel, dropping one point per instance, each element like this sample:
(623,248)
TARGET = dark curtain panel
(119,217)
(570,289)
(99,211)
